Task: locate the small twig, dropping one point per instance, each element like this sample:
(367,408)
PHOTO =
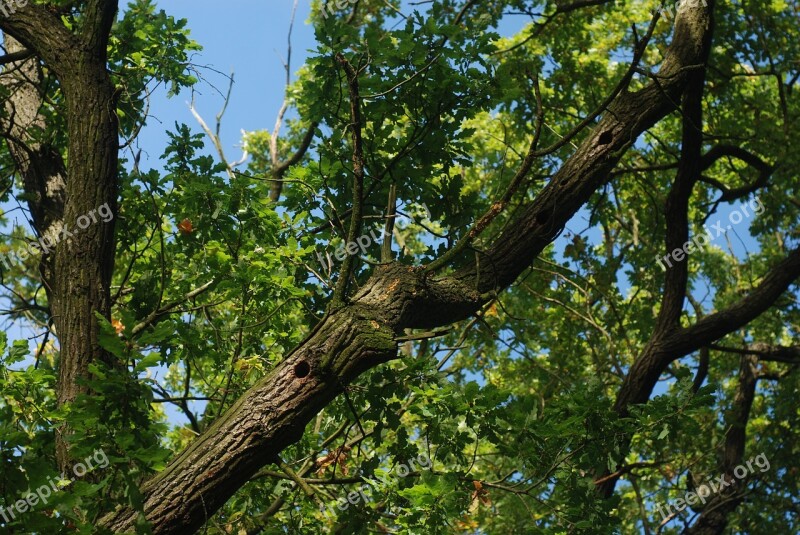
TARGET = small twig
(424,336)
(297,479)
(214,138)
(167,308)
(388,228)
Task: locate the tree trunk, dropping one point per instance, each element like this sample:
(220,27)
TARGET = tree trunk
(354,336)
(361,334)
(79,285)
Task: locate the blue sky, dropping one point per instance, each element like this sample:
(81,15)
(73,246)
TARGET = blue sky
(246,37)
(249,39)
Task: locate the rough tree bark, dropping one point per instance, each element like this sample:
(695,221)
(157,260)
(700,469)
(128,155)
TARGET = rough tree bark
(360,332)
(79,282)
(39,163)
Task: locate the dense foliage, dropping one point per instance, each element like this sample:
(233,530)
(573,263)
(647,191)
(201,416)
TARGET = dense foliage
(505,422)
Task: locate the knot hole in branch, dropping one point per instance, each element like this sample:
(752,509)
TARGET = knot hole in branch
(302,369)
(605,138)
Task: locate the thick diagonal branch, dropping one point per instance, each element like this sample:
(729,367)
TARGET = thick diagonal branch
(363,333)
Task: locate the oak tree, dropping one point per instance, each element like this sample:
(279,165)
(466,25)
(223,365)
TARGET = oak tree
(581,315)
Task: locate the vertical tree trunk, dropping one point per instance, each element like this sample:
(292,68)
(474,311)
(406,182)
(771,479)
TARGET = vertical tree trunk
(84,263)
(79,285)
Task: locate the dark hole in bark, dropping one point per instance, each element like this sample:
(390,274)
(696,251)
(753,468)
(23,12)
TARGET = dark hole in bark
(605,138)
(541,218)
(302,369)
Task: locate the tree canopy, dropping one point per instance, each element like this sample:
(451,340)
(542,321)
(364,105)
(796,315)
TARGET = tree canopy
(468,282)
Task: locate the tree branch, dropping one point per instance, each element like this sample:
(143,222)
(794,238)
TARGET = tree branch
(764,169)
(361,334)
(98,19)
(146,322)
(677,208)
(715,326)
(714,514)
(356,218)
(787,354)
(15,56)
(44,35)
